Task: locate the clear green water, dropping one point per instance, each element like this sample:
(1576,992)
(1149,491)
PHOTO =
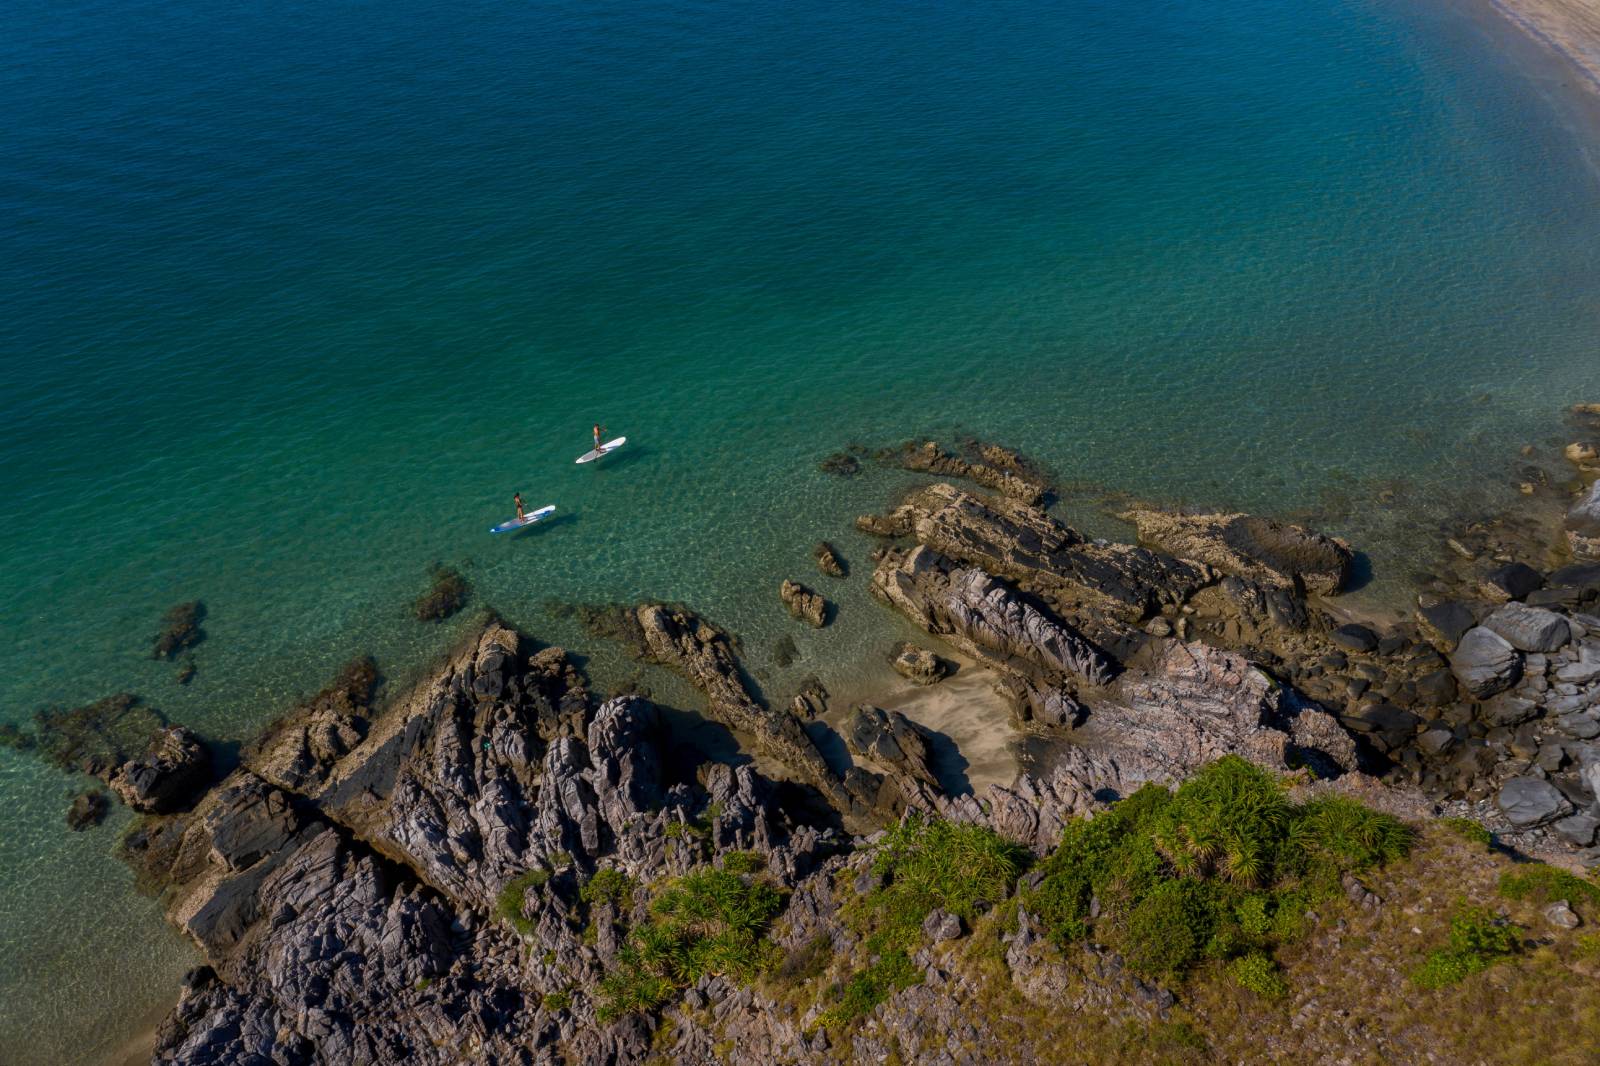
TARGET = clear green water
(295,296)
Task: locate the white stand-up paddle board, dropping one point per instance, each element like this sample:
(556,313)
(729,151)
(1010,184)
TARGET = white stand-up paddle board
(526,520)
(605,449)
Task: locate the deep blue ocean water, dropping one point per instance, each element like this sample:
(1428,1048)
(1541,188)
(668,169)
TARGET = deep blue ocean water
(296,295)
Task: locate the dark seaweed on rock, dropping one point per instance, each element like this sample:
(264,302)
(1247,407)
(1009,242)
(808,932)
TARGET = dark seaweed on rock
(180,629)
(447,595)
(89,809)
(97,737)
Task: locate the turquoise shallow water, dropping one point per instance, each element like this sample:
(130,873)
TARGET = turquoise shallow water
(297,295)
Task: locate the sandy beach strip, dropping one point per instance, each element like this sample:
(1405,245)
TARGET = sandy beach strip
(1570,27)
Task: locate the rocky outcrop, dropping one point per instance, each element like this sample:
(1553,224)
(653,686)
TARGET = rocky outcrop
(167,777)
(990,465)
(1272,553)
(918,665)
(984,617)
(828,559)
(892,742)
(700,652)
(352,922)
(1012,540)
(804,604)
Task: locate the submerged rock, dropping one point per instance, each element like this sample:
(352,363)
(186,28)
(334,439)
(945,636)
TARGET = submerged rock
(180,629)
(445,596)
(89,809)
(98,737)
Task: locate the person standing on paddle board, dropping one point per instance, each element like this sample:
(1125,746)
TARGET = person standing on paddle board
(598,430)
(517,499)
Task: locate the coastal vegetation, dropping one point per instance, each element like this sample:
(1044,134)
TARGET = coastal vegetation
(708,921)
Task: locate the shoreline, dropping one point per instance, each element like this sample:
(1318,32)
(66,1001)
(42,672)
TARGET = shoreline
(1567,28)
(1204,649)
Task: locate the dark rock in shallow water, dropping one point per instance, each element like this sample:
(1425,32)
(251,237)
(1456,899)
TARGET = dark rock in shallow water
(1485,662)
(1444,624)
(992,466)
(88,809)
(180,629)
(98,737)
(14,738)
(1512,581)
(785,652)
(1355,637)
(1583,576)
(804,604)
(445,596)
(828,560)
(840,464)
(167,777)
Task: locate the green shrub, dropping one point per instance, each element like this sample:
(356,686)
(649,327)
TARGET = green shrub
(508,908)
(1478,940)
(1168,929)
(1469,830)
(861,994)
(1545,884)
(931,863)
(1259,974)
(743,862)
(558,1001)
(1224,867)
(608,885)
(706,922)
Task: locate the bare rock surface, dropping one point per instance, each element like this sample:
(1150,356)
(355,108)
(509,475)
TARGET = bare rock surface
(168,776)
(1244,545)
(804,604)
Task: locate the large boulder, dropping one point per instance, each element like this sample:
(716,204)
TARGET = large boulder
(894,743)
(1273,553)
(918,665)
(1485,662)
(1530,629)
(1528,802)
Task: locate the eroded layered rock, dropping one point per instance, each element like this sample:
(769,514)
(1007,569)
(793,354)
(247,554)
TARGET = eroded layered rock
(1274,553)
